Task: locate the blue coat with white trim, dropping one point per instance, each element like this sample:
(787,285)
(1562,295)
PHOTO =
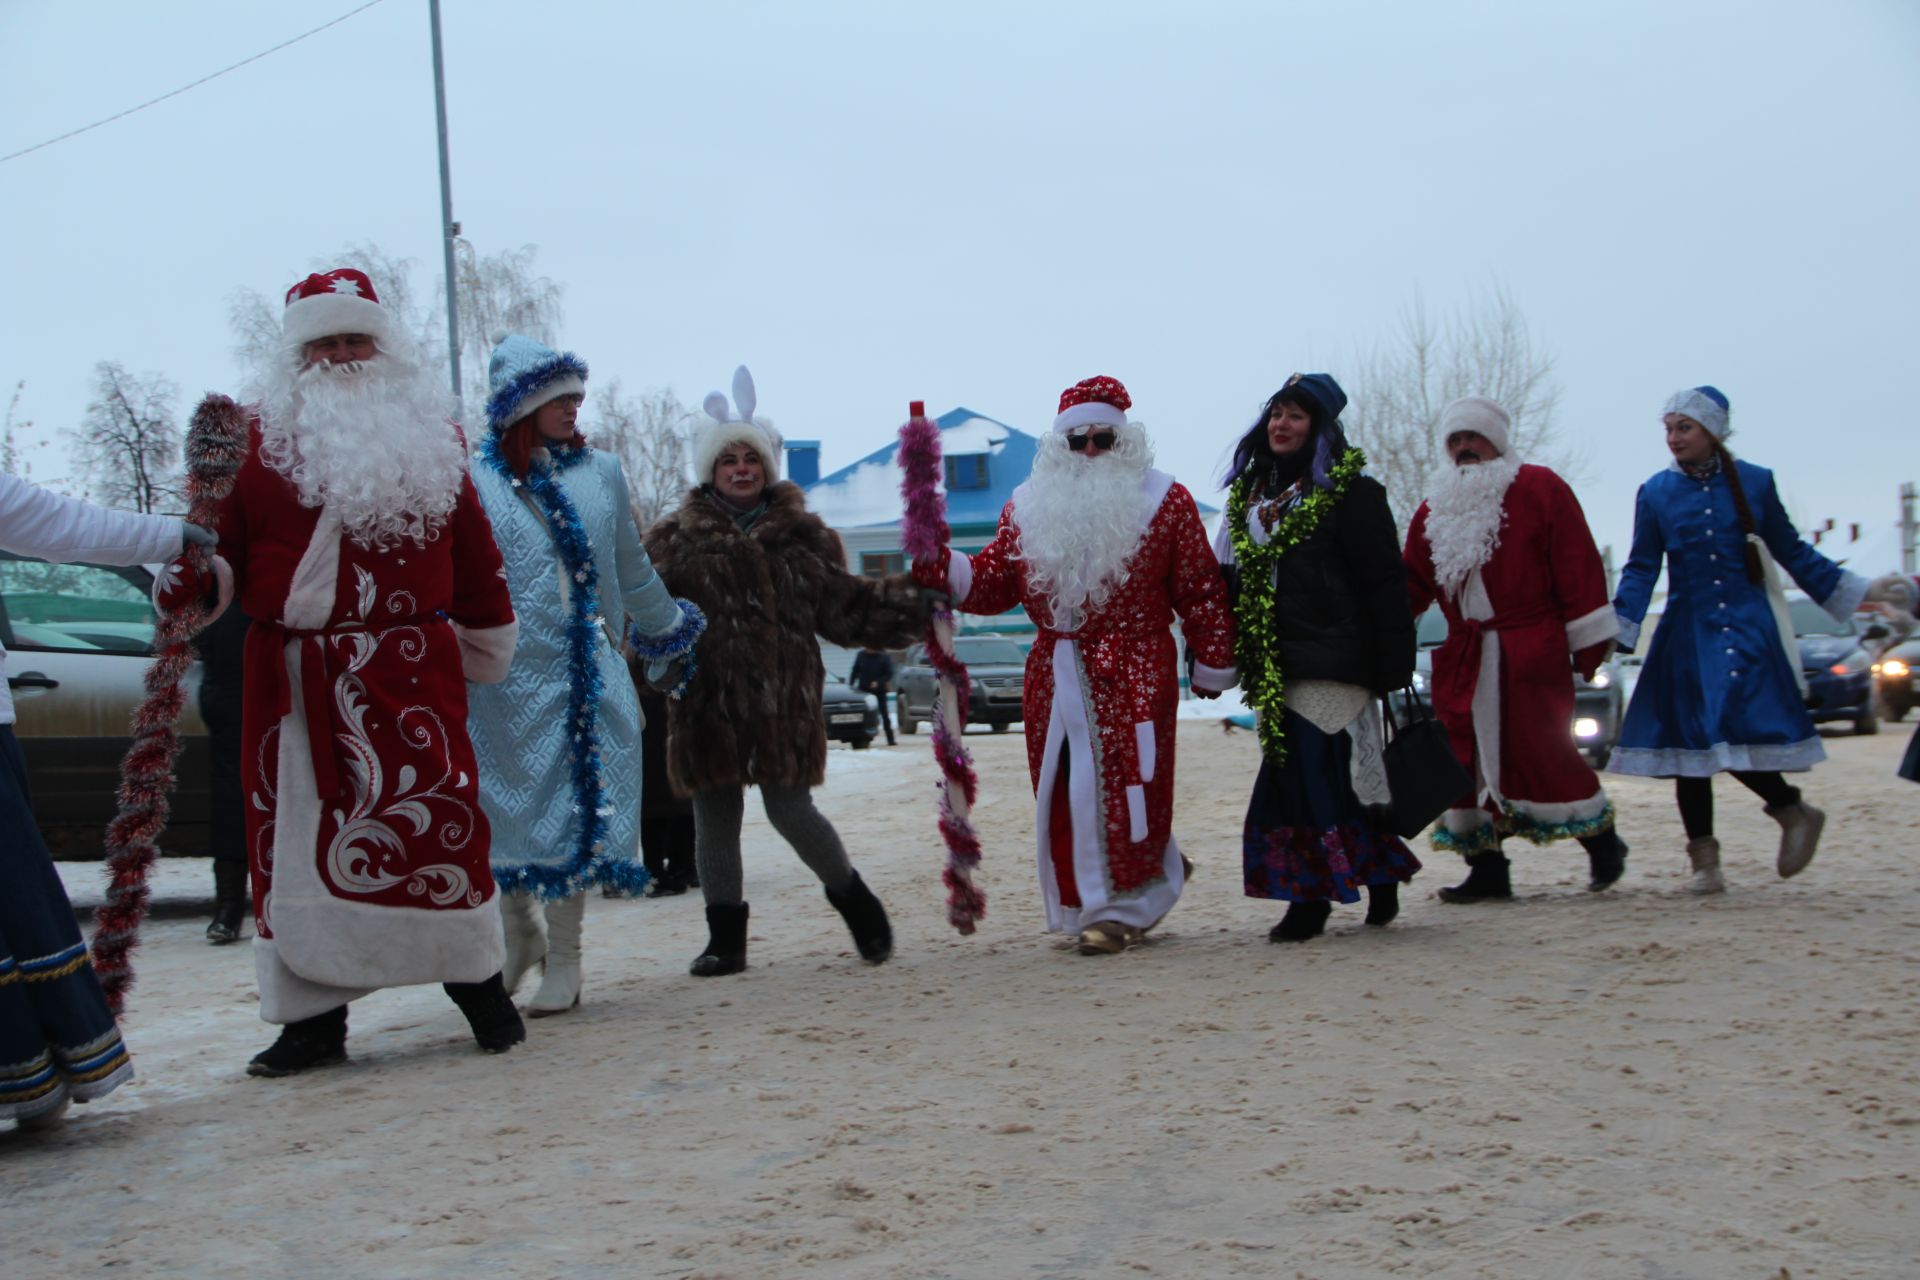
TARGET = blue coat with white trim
(1718,690)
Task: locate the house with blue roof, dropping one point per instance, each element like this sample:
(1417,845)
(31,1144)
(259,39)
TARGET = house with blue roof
(985,461)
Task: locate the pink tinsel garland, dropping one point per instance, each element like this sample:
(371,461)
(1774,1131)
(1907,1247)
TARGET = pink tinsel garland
(216,446)
(925,537)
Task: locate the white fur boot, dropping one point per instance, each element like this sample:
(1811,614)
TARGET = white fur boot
(1800,826)
(526,940)
(560,988)
(1704,853)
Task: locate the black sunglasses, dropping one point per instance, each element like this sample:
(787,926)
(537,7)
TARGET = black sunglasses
(1098,439)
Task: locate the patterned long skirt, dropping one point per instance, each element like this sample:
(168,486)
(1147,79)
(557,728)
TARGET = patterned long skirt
(1307,837)
(57,1040)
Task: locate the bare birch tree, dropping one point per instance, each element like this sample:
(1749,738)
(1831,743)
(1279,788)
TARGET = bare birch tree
(13,458)
(1399,385)
(648,433)
(130,447)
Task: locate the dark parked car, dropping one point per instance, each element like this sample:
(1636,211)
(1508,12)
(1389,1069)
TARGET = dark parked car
(1838,669)
(79,640)
(1898,677)
(997,667)
(1599,704)
(852,716)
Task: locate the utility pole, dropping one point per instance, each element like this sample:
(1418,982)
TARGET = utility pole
(1909,527)
(449,229)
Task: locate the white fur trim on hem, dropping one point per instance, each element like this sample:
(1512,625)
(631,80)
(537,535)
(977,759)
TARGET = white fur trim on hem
(1676,762)
(1550,815)
(1602,624)
(1093,413)
(486,652)
(960,576)
(1219,679)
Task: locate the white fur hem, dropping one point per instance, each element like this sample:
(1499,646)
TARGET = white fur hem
(486,652)
(1553,815)
(1676,762)
(1602,624)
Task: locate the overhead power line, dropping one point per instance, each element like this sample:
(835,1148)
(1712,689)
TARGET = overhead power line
(195,85)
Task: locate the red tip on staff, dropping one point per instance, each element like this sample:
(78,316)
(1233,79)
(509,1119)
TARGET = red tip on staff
(916,409)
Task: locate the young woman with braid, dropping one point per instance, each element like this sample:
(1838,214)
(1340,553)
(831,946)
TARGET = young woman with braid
(1721,690)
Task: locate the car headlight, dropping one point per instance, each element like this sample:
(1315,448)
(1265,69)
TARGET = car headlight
(1601,678)
(1586,727)
(873,703)
(1851,665)
(1894,667)
(1419,682)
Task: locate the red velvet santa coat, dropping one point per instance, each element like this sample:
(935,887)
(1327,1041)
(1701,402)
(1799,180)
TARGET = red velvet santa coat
(1503,681)
(1106,694)
(364,829)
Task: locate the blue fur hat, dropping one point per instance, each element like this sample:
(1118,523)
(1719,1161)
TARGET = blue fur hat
(523,375)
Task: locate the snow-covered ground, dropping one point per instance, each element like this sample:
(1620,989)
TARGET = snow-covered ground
(1632,1084)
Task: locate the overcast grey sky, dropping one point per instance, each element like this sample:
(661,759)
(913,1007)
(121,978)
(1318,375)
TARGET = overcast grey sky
(981,203)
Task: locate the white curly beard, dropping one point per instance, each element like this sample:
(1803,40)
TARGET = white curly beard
(1464,518)
(1081,519)
(369,441)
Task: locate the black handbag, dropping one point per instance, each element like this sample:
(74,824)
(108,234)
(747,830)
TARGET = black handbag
(1424,777)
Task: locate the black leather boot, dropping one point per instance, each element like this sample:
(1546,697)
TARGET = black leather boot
(319,1041)
(1488,880)
(726,941)
(866,920)
(1606,859)
(230,901)
(1383,903)
(1303,921)
(490,1013)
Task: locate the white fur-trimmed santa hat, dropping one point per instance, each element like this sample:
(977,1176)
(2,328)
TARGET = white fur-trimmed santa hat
(1478,414)
(1097,401)
(331,302)
(734,424)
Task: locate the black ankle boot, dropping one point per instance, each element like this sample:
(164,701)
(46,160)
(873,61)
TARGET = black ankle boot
(496,1023)
(230,901)
(319,1041)
(866,920)
(1303,921)
(726,941)
(1606,859)
(1383,902)
(1488,880)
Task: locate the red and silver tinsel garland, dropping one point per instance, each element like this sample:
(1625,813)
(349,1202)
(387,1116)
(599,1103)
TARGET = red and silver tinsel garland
(216,446)
(925,537)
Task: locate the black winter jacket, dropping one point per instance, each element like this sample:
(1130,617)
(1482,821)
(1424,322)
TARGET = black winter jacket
(1341,598)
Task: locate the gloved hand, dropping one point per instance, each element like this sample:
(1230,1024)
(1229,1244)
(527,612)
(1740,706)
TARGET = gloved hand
(663,675)
(1896,589)
(931,571)
(192,535)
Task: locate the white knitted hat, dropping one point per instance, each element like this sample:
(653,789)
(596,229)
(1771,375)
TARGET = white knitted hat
(723,426)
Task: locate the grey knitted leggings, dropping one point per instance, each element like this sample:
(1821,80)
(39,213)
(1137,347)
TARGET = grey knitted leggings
(716,838)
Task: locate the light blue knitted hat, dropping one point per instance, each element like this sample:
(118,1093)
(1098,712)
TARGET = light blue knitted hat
(523,374)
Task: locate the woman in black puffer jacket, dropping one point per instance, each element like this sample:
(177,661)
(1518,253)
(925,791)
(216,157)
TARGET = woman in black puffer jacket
(1324,632)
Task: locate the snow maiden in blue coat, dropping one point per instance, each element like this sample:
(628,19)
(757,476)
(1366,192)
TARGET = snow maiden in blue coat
(1721,688)
(558,742)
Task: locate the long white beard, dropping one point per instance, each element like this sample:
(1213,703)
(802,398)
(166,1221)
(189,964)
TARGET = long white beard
(1464,518)
(1081,519)
(368,441)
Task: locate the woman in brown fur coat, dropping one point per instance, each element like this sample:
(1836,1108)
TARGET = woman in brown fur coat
(770,577)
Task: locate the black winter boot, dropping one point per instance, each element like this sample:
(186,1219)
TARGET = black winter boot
(726,941)
(496,1023)
(866,920)
(1383,903)
(1488,880)
(1606,859)
(319,1041)
(1304,921)
(230,901)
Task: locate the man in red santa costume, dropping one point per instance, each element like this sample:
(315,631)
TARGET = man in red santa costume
(1505,551)
(1103,551)
(355,542)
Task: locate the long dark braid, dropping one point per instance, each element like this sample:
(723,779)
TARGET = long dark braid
(1756,574)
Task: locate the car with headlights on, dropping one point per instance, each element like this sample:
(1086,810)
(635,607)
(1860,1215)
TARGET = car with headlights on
(1838,669)
(996,670)
(852,717)
(1897,679)
(79,641)
(1599,704)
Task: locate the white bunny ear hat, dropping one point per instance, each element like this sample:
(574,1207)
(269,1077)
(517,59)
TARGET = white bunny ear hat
(734,423)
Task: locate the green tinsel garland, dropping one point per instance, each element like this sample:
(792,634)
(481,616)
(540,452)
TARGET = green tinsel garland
(1258,648)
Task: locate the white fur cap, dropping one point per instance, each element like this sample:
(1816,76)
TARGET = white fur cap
(724,426)
(1479,414)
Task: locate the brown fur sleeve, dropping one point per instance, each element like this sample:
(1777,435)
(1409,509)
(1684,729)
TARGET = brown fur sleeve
(854,611)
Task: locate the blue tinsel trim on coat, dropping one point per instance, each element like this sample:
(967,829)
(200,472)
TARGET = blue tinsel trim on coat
(503,405)
(677,643)
(592,862)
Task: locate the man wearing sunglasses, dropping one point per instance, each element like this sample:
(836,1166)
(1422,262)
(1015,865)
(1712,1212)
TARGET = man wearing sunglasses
(1103,551)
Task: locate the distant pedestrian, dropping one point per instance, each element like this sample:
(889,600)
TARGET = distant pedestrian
(873,673)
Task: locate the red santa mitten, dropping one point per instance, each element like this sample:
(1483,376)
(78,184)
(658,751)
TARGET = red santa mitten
(931,571)
(191,578)
(1589,660)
